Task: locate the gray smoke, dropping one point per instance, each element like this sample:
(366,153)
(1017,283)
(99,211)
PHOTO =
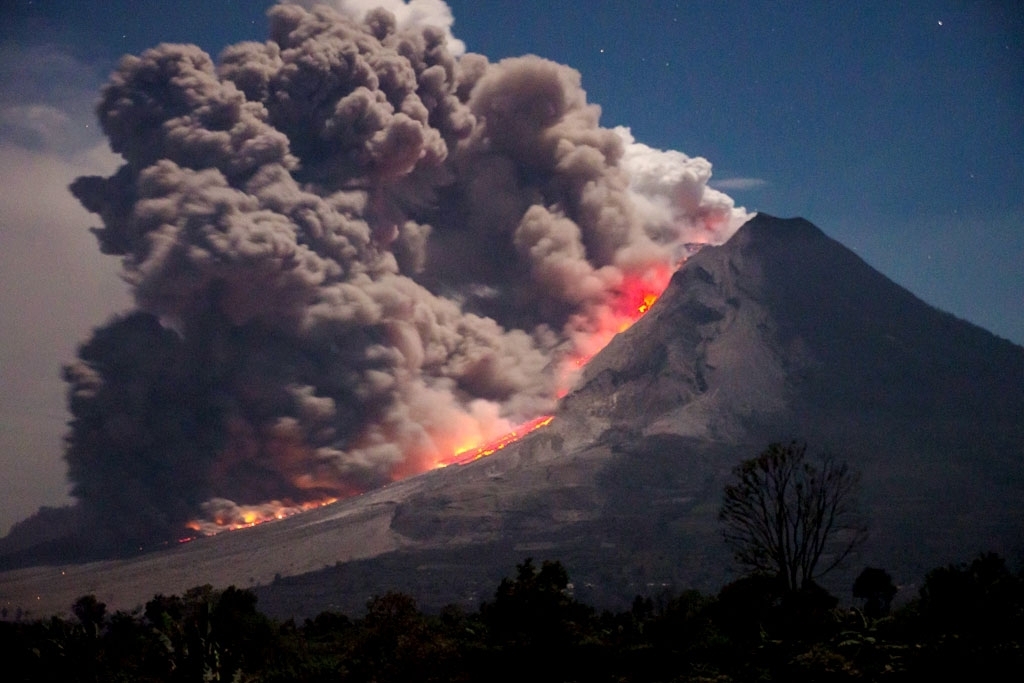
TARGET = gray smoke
(350,251)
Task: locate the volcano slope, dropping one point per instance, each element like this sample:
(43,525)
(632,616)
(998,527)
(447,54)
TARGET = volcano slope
(780,333)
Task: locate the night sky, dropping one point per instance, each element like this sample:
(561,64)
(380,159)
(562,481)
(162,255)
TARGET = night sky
(897,128)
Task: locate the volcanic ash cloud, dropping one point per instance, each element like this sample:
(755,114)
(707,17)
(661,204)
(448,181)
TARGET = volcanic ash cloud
(349,250)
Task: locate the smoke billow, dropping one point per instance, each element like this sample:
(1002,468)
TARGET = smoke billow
(351,247)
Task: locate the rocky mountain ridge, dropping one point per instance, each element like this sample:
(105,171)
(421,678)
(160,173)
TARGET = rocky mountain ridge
(780,333)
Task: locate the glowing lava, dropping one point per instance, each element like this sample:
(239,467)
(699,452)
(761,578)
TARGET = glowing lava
(468,454)
(635,297)
(235,517)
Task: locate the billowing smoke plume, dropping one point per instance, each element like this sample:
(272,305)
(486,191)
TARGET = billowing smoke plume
(350,251)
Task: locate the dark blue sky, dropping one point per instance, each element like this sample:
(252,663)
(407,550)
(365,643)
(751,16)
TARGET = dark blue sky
(898,128)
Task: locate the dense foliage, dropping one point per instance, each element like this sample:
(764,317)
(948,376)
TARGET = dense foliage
(967,623)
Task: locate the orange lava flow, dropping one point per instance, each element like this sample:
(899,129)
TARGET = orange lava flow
(469,454)
(635,297)
(244,516)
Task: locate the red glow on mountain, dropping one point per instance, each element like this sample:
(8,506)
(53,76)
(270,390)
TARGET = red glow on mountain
(634,298)
(243,516)
(468,453)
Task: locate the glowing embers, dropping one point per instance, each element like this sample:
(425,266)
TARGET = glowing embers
(227,516)
(637,294)
(468,454)
(646,302)
(634,298)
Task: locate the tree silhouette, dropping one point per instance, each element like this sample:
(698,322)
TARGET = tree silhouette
(875,587)
(791,518)
(90,612)
(535,607)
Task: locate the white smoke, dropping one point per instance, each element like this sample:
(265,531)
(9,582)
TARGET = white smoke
(671,191)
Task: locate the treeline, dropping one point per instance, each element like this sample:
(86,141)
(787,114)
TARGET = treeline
(966,623)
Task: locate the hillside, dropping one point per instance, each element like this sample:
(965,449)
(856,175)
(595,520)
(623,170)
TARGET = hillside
(780,333)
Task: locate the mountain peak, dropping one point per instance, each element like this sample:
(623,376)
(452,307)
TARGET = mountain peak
(783,333)
(780,333)
(763,225)
(782,318)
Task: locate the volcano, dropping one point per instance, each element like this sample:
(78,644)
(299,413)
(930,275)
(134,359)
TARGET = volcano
(780,333)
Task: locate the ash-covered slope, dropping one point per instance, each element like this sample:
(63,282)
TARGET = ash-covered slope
(783,326)
(784,333)
(780,333)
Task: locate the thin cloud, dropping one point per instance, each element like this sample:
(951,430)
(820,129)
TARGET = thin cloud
(54,285)
(47,100)
(734,184)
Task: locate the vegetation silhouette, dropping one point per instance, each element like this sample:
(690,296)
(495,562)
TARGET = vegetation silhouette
(790,518)
(875,588)
(967,622)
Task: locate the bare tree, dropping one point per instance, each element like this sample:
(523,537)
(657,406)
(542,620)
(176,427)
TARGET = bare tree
(789,517)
